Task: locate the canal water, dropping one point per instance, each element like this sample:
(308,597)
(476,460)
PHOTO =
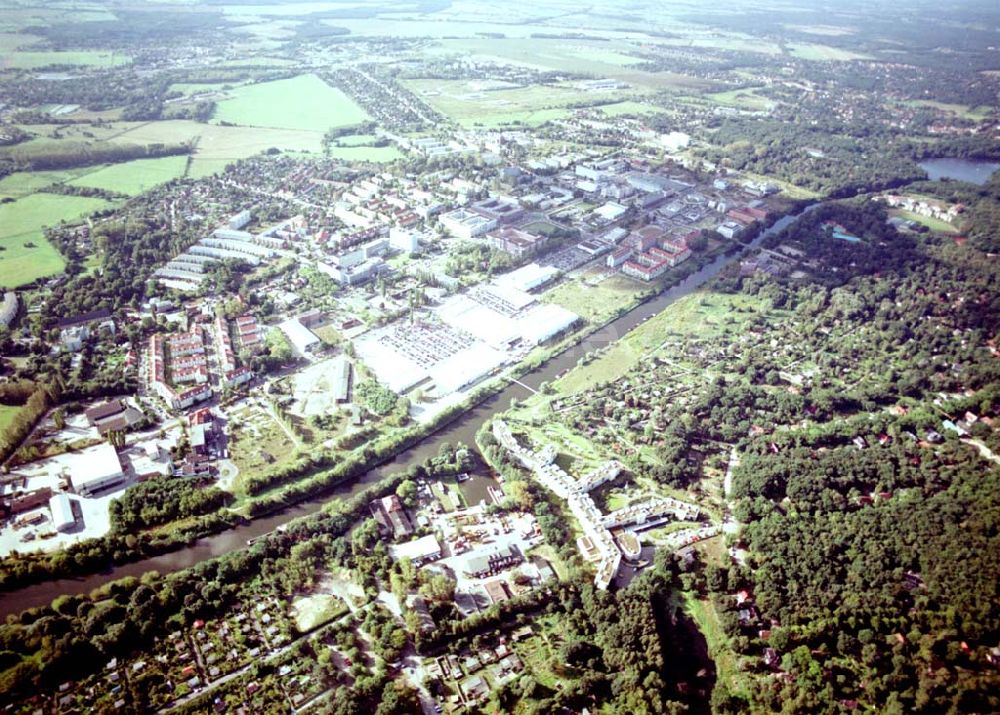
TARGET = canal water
(462,430)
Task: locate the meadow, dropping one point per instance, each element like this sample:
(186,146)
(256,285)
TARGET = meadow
(134,177)
(21,223)
(304,103)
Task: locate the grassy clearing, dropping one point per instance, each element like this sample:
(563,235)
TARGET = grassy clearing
(305,102)
(7,414)
(708,316)
(595,303)
(21,223)
(34,60)
(310,612)
(823,53)
(134,177)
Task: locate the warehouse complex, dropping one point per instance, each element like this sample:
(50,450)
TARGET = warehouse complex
(462,340)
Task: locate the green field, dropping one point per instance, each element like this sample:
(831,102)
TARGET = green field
(134,177)
(22,222)
(305,103)
(34,60)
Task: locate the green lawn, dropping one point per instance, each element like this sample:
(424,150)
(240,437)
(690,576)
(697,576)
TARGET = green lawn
(305,102)
(134,177)
(22,221)
(933,224)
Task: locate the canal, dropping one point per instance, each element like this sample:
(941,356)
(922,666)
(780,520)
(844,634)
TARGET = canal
(462,430)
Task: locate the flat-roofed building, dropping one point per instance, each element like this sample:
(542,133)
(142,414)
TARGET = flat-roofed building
(96,468)
(467,224)
(516,242)
(419,551)
(499,209)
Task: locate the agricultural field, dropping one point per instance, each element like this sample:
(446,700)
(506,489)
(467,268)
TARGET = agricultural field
(27,255)
(304,103)
(134,177)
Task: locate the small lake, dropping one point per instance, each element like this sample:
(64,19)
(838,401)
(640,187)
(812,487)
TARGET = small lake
(974,171)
